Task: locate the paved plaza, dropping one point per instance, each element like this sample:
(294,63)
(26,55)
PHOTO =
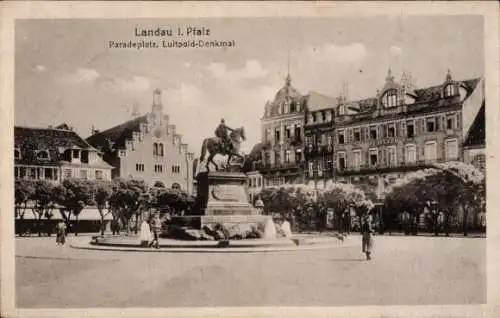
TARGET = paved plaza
(404,271)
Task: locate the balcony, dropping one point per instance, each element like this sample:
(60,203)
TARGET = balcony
(281,166)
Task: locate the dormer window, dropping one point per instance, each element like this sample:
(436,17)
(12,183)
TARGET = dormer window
(390,99)
(42,155)
(17,154)
(449,90)
(341,110)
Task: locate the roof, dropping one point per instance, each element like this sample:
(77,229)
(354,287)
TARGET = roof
(430,96)
(29,140)
(477,133)
(118,134)
(317,101)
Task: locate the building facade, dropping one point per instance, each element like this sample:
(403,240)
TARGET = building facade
(55,154)
(255,184)
(319,138)
(282,138)
(403,129)
(147,148)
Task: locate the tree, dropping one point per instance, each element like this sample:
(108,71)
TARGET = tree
(342,198)
(23,193)
(103,192)
(176,200)
(43,201)
(127,199)
(455,186)
(159,184)
(73,195)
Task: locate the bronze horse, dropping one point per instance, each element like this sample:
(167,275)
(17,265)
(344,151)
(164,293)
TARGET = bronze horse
(215,146)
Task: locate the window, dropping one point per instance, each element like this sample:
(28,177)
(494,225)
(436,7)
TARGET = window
(323,116)
(431,124)
(391,130)
(17,154)
(479,161)
(450,119)
(122,153)
(139,167)
(449,90)
(76,154)
(155,149)
(329,140)
(373,157)
(391,156)
(293,107)
(340,137)
(430,151)
(42,155)
(329,116)
(98,175)
(311,167)
(298,155)
(288,156)
(410,129)
(451,149)
(297,133)
(277,135)
(313,118)
(341,163)
(373,132)
(67,173)
(411,154)
(259,182)
(288,132)
(158,168)
(357,134)
(160,150)
(320,168)
(341,110)
(83,174)
(176,169)
(49,174)
(391,98)
(356,159)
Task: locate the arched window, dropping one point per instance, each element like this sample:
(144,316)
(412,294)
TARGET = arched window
(42,155)
(449,90)
(155,149)
(161,150)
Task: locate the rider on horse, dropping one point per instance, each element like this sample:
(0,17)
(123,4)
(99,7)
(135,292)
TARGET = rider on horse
(222,132)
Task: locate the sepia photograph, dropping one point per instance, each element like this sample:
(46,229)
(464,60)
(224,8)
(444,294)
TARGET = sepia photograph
(253,161)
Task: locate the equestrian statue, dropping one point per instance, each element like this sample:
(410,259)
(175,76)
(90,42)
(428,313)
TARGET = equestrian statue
(226,142)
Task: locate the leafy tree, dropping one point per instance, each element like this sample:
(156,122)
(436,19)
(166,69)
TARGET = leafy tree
(103,191)
(128,199)
(159,184)
(455,186)
(23,193)
(43,201)
(73,195)
(175,200)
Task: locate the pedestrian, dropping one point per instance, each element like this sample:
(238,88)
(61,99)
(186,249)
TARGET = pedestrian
(61,233)
(145,236)
(367,236)
(155,229)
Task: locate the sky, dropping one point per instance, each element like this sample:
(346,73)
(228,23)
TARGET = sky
(65,72)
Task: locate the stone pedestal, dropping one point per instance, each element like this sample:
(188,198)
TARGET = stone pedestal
(222,193)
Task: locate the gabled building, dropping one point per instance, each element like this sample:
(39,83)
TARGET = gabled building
(403,129)
(282,137)
(148,148)
(475,141)
(56,154)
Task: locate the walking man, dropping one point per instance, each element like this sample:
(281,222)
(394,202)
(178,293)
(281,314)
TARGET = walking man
(155,230)
(61,233)
(367,235)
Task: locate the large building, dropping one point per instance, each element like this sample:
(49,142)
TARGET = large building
(319,138)
(55,154)
(147,148)
(403,129)
(282,137)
